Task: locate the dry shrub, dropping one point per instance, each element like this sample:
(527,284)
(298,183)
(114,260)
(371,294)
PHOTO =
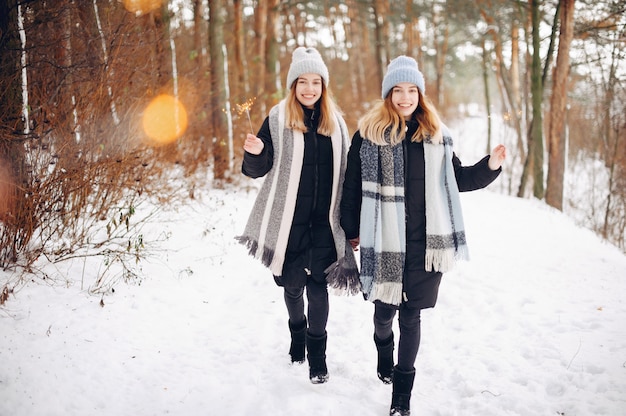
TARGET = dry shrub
(76,174)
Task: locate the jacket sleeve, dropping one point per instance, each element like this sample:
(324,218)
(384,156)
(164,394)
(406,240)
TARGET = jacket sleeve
(351,198)
(471,178)
(256,166)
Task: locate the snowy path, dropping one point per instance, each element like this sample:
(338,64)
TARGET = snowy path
(532,325)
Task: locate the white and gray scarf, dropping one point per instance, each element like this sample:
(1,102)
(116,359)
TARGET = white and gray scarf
(383,232)
(268,227)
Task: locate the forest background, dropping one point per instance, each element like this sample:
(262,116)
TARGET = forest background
(79,81)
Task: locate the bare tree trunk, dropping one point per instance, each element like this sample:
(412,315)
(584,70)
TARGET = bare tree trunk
(157,55)
(218,95)
(612,179)
(528,160)
(515,75)
(272,81)
(202,129)
(536,136)
(441,46)
(556,139)
(410,32)
(614,158)
(354,36)
(260,33)
(381,56)
(197,31)
(105,58)
(555,25)
(242,87)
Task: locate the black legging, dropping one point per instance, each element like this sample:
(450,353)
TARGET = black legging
(317,296)
(409,324)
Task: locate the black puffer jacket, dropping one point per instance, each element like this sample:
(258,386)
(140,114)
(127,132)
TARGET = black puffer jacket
(311,247)
(419,286)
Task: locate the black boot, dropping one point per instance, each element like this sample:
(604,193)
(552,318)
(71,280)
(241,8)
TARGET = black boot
(385,358)
(401,396)
(316,347)
(297,347)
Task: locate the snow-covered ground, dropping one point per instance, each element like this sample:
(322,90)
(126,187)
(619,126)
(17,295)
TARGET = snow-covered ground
(533,325)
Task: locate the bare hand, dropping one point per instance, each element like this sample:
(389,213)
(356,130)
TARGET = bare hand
(253,144)
(354,242)
(498,154)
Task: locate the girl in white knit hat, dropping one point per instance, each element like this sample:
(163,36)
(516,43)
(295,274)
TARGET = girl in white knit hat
(401,205)
(294,228)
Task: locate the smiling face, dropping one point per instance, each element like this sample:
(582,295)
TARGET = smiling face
(405,99)
(308,89)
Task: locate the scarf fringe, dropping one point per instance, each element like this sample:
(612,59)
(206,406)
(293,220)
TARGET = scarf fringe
(444,260)
(386,292)
(343,281)
(343,275)
(265,256)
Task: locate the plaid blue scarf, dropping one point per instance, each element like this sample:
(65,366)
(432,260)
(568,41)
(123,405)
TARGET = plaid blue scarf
(383,232)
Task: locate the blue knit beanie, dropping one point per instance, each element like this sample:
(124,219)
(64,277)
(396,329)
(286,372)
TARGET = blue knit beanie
(306,61)
(402,69)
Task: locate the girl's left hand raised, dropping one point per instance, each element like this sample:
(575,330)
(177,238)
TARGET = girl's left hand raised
(498,154)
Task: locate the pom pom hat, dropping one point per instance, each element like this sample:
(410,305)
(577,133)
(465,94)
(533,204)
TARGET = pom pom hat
(402,69)
(306,61)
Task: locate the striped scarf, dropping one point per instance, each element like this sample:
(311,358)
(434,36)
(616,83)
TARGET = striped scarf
(383,232)
(268,227)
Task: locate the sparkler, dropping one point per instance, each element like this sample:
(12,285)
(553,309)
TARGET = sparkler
(246,107)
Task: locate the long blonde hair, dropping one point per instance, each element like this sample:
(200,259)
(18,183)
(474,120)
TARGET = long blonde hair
(383,117)
(294,115)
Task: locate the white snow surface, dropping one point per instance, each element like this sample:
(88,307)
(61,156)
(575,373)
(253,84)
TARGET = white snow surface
(534,324)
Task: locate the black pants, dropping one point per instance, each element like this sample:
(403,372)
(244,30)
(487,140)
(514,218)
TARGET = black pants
(410,332)
(317,297)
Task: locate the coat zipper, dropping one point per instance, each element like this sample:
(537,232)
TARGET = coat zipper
(405,157)
(315,190)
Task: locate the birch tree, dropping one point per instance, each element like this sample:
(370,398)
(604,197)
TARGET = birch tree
(14,131)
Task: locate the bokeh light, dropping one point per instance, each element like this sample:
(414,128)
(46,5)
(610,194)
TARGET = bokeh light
(140,7)
(165,119)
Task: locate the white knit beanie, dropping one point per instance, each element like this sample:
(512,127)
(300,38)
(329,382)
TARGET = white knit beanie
(402,69)
(306,61)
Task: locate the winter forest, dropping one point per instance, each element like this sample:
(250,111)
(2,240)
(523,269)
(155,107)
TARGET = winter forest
(107,104)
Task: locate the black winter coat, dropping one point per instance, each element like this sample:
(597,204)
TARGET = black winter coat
(420,288)
(311,247)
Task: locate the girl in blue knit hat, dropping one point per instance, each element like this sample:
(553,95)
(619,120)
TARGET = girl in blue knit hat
(401,205)
(301,150)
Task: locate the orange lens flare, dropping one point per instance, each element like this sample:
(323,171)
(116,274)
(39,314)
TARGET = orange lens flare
(140,7)
(165,119)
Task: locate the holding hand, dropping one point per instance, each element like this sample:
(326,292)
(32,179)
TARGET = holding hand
(498,154)
(354,243)
(253,144)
